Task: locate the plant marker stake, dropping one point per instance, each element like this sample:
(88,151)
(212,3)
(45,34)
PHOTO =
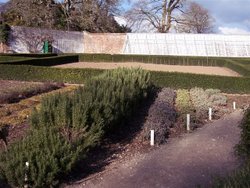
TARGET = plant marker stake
(234,105)
(188,122)
(152,137)
(26,176)
(210,114)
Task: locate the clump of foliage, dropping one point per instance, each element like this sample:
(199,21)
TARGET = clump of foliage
(184,106)
(203,100)
(183,101)
(161,116)
(4,33)
(66,126)
(48,154)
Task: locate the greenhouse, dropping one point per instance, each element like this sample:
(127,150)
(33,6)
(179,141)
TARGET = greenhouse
(188,44)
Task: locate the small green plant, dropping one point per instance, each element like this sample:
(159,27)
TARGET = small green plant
(183,101)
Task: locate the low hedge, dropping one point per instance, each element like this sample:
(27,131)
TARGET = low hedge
(155,59)
(34,73)
(188,81)
(9,59)
(237,64)
(29,55)
(161,79)
(240,65)
(46,61)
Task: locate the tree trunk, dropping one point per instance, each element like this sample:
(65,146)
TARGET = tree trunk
(164,15)
(168,25)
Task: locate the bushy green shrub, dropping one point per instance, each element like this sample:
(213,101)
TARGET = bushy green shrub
(48,154)
(66,126)
(183,102)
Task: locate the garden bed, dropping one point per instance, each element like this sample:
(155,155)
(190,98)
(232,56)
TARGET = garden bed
(14,91)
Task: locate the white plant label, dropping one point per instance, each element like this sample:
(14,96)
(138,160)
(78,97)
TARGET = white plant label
(210,111)
(234,105)
(188,122)
(152,137)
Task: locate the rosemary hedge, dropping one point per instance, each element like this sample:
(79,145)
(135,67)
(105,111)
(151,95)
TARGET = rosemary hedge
(66,126)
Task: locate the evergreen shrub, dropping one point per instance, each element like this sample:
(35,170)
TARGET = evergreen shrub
(66,126)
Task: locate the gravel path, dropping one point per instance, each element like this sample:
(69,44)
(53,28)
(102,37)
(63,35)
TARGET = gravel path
(187,161)
(222,71)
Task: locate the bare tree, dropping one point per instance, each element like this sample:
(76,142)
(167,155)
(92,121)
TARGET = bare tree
(195,19)
(34,13)
(157,14)
(89,15)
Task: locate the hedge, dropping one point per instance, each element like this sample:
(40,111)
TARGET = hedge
(240,65)
(156,59)
(9,59)
(46,61)
(188,81)
(34,73)
(29,55)
(161,79)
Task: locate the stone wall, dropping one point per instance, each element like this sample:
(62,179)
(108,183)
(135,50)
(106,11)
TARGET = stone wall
(25,40)
(109,43)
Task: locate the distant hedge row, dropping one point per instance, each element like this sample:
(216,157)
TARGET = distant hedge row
(34,73)
(45,61)
(29,55)
(240,65)
(155,59)
(161,79)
